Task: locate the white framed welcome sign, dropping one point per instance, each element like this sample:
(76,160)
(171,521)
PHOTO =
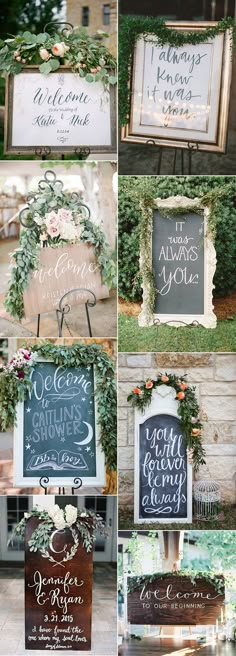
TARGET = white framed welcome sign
(60,111)
(180,95)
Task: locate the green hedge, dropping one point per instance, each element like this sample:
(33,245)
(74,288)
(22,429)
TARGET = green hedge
(130,189)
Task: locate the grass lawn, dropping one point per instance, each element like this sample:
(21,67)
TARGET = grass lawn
(166,338)
(226,520)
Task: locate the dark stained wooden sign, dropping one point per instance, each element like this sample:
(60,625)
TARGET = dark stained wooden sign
(175,600)
(178,263)
(58,595)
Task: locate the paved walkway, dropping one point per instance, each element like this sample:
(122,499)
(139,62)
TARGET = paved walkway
(104,631)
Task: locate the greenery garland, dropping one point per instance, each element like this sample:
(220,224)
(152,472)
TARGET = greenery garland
(130,30)
(15,383)
(188,410)
(48,202)
(86,55)
(217,582)
(86,522)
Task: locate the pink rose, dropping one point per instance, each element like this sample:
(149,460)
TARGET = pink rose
(64,215)
(50,218)
(53,229)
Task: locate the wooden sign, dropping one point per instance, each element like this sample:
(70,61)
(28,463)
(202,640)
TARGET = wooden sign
(180,95)
(59,111)
(57,434)
(175,600)
(163,477)
(61,270)
(183,263)
(58,593)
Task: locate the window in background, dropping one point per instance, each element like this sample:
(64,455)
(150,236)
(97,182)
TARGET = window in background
(106,14)
(85,16)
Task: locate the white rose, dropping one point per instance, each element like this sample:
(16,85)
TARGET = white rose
(71,514)
(53,511)
(83,514)
(59,521)
(68,231)
(44,54)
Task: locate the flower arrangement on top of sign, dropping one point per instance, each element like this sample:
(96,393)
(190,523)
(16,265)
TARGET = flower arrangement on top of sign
(82,526)
(86,55)
(54,218)
(191,417)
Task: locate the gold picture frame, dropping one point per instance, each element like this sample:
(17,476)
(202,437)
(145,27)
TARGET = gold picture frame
(214,137)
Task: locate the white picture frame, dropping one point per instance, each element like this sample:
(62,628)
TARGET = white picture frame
(163,402)
(208,318)
(207,105)
(27,481)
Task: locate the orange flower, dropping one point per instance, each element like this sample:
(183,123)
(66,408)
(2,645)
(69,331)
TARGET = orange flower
(195,431)
(136,390)
(180,396)
(164,379)
(149,384)
(183,386)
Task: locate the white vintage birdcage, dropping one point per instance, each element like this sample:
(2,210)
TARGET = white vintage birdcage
(206,499)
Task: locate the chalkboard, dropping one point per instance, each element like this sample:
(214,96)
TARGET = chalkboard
(57,427)
(175,600)
(163,469)
(178,263)
(58,597)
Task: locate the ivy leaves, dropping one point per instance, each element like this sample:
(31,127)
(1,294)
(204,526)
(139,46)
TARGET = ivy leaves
(130,30)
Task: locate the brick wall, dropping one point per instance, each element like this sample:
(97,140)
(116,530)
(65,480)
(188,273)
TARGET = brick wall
(214,375)
(74,16)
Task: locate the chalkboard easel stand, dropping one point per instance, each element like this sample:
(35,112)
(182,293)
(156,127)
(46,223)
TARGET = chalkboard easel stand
(191,147)
(194,324)
(64,309)
(45,152)
(44,482)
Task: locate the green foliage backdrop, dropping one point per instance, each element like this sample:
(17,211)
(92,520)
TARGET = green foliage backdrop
(222,199)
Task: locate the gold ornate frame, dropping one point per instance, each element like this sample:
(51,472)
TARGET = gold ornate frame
(220,143)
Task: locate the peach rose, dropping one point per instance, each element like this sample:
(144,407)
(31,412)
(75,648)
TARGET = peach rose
(195,432)
(180,396)
(44,54)
(183,386)
(137,390)
(149,384)
(164,378)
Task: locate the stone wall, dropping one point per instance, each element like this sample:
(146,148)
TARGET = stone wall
(74,16)
(214,375)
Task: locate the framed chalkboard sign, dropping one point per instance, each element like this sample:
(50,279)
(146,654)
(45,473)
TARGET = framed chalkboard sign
(163,475)
(180,95)
(57,433)
(180,260)
(60,112)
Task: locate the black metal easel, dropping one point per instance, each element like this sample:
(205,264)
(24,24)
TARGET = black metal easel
(191,148)
(50,181)
(44,482)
